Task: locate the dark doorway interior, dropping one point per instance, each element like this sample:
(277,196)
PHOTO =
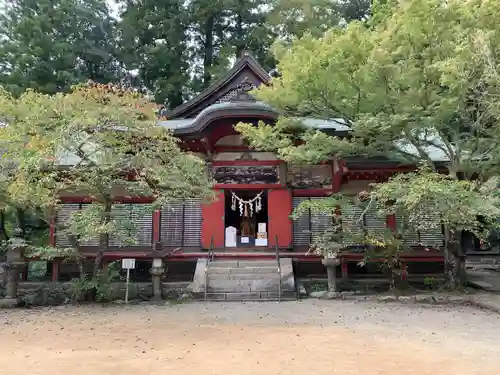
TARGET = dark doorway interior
(246,226)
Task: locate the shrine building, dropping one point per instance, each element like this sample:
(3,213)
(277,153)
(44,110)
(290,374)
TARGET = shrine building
(256,193)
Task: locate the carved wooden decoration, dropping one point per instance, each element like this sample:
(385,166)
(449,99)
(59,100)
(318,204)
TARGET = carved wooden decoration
(309,177)
(246,175)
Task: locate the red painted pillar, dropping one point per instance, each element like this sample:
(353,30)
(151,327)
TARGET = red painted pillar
(279,206)
(343,267)
(212,224)
(404,273)
(391,222)
(156,226)
(338,171)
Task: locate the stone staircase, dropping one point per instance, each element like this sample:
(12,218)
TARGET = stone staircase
(244,280)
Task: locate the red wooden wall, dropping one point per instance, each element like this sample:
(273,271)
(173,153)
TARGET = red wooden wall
(212,222)
(279,203)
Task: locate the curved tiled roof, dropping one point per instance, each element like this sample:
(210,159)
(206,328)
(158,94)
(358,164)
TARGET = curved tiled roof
(242,109)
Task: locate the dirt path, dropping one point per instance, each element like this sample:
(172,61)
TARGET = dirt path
(309,337)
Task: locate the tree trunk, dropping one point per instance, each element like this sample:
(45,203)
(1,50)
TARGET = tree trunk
(81,269)
(240,43)
(103,243)
(454,268)
(454,261)
(208,51)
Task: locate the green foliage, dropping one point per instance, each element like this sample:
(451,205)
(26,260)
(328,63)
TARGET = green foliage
(37,270)
(154,41)
(50,45)
(171,48)
(413,87)
(105,290)
(420,84)
(79,288)
(458,203)
(430,283)
(293,18)
(101,141)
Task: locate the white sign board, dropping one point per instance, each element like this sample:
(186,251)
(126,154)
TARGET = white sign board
(245,239)
(128,264)
(231,237)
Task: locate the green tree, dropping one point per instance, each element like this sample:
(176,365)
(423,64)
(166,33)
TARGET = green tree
(154,41)
(50,45)
(100,141)
(351,10)
(223,30)
(293,18)
(248,31)
(290,19)
(418,86)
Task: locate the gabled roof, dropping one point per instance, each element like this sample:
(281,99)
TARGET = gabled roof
(246,66)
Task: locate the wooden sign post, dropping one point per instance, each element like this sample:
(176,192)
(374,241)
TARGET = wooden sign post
(127,264)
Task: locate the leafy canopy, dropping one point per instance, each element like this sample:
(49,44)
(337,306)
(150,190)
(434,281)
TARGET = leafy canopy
(420,84)
(99,141)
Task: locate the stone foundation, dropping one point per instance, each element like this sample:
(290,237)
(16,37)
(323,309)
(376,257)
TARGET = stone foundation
(50,294)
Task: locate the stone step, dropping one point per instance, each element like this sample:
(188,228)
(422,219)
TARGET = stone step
(243,276)
(244,279)
(246,270)
(257,263)
(223,264)
(242,285)
(252,296)
(242,264)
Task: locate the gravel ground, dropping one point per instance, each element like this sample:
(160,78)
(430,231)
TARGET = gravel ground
(307,337)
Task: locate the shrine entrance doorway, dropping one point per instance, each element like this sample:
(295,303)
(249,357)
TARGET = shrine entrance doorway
(246,219)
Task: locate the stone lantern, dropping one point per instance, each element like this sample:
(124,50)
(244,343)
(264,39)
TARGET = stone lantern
(157,271)
(14,264)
